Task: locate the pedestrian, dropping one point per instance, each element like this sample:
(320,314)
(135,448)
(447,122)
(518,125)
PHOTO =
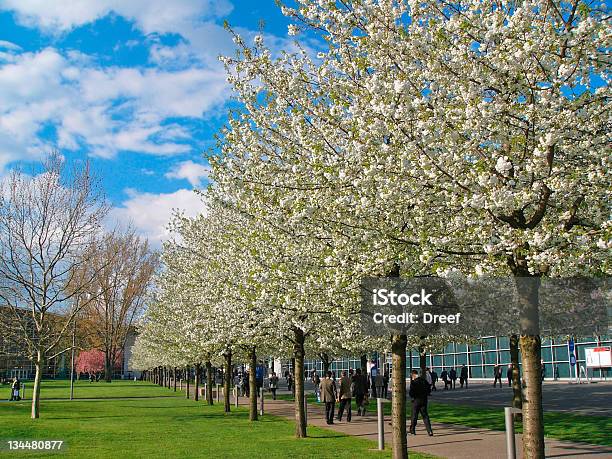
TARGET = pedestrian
(419,391)
(317,382)
(452,374)
(273,381)
(497,373)
(444,376)
(289,382)
(386,382)
(509,375)
(359,390)
(427,375)
(329,395)
(345,395)
(15,389)
(463,376)
(543,369)
(379,383)
(434,380)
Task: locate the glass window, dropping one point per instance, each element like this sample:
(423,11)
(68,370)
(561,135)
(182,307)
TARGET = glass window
(475,358)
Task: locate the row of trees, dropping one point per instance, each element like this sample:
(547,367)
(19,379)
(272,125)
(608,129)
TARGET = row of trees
(424,138)
(57,265)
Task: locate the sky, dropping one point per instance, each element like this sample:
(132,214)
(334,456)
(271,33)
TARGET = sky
(133,86)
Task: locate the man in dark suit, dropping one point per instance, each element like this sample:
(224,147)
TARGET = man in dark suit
(419,391)
(328,396)
(463,376)
(345,397)
(359,390)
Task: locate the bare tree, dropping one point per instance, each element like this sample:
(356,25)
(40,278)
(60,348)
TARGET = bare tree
(125,267)
(46,222)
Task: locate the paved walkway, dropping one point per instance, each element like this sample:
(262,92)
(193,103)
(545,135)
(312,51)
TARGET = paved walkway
(449,441)
(585,399)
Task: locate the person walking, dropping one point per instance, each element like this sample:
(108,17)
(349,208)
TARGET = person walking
(289,381)
(316,380)
(273,381)
(509,375)
(15,388)
(427,376)
(453,377)
(419,392)
(434,380)
(497,373)
(463,376)
(329,395)
(444,376)
(359,390)
(386,381)
(345,395)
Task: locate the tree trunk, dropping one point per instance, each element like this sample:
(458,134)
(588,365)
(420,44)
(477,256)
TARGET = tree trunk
(37,380)
(530,343)
(227,381)
(209,383)
(108,375)
(174,377)
(398,403)
(326,362)
(517,393)
(298,383)
(533,416)
(422,358)
(187,378)
(197,382)
(364,364)
(252,386)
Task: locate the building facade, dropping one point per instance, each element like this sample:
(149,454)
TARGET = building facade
(492,350)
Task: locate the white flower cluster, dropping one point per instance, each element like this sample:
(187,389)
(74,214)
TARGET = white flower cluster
(473,141)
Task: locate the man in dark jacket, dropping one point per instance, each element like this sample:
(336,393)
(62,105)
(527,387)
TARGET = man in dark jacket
(345,396)
(497,374)
(452,374)
(359,390)
(329,396)
(463,376)
(419,391)
(444,376)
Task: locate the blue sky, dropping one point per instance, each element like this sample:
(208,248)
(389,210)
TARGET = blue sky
(135,86)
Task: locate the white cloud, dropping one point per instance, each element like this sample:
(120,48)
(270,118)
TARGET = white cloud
(9,45)
(150,213)
(104,110)
(190,171)
(150,16)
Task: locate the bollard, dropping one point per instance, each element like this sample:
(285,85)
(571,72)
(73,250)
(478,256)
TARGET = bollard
(261,406)
(381,423)
(218,397)
(510,445)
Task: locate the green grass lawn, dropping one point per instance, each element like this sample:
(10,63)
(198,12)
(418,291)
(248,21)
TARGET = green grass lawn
(596,430)
(137,419)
